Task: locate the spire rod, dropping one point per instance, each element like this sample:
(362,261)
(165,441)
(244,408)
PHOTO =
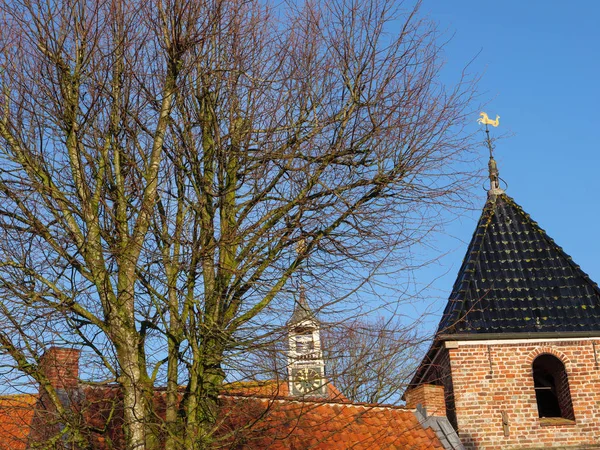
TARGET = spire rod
(302,297)
(301,308)
(300,250)
(492,166)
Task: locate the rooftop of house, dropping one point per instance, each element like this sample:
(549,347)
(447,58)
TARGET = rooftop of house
(253,415)
(251,419)
(326,425)
(16,414)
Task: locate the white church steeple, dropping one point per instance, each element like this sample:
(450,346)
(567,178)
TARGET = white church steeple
(306,367)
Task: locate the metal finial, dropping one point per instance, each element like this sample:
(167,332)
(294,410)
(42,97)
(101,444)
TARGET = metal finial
(301,248)
(301,309)
(302,297)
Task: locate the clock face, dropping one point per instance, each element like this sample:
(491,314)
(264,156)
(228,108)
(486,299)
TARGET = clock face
(307,380)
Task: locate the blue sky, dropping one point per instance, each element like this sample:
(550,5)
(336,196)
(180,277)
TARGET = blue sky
(540,67)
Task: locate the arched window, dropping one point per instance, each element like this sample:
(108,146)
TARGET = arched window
(552,387)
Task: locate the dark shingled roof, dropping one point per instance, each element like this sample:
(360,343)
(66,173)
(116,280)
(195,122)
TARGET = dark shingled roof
(515,278)
(302,311)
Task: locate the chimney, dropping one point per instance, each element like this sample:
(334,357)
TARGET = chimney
(430,396)
(61,367)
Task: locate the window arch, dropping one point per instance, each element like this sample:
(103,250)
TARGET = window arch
(551,384)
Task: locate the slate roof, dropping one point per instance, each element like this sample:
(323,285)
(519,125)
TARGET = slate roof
(515,278)
(302,311)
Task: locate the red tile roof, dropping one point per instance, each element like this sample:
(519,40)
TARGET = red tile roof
(16,413)
(288,424)
(255,416)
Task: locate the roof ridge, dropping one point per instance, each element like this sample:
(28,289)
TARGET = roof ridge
(18,396)
(317,401)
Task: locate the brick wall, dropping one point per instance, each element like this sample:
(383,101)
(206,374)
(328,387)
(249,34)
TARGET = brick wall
(61,367)
(438,373)
(495,399)
(428,395)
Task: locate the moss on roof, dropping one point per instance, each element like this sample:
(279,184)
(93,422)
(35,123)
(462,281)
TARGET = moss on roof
(515,278)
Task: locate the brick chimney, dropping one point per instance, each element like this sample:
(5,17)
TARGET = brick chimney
(61,367)
(429,396)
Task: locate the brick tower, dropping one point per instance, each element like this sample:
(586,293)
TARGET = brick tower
(517,348)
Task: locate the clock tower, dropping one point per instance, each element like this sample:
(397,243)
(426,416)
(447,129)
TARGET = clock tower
(306,368)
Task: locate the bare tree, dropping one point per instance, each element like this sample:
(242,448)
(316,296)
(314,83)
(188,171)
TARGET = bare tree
(161,160)
(367,361)
(371,362)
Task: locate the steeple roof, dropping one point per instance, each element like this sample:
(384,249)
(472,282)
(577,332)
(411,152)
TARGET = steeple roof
(302,311)
(515,278)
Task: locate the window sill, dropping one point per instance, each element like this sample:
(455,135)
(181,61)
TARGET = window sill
(555,421)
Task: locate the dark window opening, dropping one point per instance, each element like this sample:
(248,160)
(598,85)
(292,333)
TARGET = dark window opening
(551,384)
(304,343)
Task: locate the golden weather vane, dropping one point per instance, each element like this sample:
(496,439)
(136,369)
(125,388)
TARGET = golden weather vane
(485,120)
(301,246)
(493,168)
